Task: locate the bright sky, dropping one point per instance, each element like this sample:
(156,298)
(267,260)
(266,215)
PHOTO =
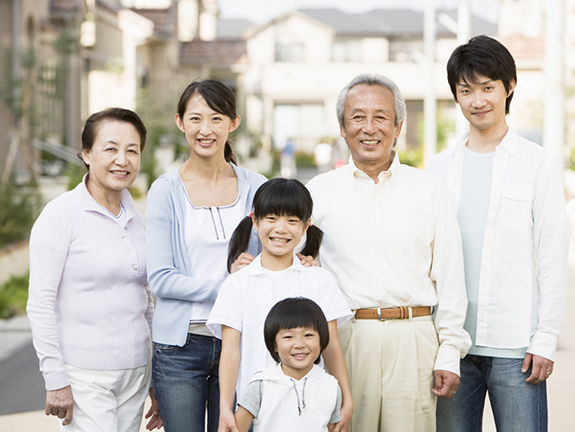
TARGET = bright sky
(259,11)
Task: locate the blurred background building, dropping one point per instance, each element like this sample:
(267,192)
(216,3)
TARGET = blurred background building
(64,59)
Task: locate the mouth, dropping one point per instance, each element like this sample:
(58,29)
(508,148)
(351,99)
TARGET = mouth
(120,173)
(206,142)
(369,143)
(300,356)
(480,113)
(279,240)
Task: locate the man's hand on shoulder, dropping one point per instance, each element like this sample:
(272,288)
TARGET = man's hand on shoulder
(446,383)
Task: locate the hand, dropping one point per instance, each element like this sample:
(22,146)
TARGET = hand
(541,368)
(243,260)
(446,383)
(154,412)
(227,421)
(346,413)
(60,403)
(307,261)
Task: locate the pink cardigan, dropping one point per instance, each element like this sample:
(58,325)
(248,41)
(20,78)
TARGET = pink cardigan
(89,304)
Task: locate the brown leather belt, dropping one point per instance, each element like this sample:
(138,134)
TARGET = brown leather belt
(401,312)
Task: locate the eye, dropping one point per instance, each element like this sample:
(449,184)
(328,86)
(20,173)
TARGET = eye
(194,118)
(489,88)
(109,149)
(358,117)
(270,218)
(217,118)
(294,220)
(134,151)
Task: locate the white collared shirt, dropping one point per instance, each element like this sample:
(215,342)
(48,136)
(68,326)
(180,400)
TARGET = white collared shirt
(246,297)
(395,243)
(523,273)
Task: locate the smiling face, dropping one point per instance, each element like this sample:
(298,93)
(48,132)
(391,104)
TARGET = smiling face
(206,130)
(369,126)
(298,348)
(279,236)
(483,103)
(113,160)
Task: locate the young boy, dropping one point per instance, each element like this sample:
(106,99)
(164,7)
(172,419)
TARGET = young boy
(295,394)
(508,196)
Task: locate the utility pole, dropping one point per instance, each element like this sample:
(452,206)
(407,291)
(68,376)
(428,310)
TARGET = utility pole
(554,102)
(429,101)
(463,34)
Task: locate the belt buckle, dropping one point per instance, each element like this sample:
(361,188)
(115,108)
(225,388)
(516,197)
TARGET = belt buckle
(379,317)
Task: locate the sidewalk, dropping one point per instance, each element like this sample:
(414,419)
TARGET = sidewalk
(15,333)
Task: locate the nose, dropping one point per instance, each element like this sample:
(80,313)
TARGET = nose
(121,158)
(478,99)
(298,342)
(280,226)
(369,125)
(205,128)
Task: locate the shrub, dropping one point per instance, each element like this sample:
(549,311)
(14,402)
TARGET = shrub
(13,296)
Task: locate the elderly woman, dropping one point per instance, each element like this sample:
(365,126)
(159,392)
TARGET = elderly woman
(90,307)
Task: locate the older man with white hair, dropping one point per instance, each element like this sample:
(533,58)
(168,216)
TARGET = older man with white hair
(393,243)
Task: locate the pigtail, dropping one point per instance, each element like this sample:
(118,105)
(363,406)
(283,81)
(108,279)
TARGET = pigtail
(240,240)
(229,155)
(314,237)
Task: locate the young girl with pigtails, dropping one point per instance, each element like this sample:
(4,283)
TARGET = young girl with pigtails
(281,216)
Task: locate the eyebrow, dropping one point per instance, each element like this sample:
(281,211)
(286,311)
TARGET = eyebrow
(465,84)
(114,142)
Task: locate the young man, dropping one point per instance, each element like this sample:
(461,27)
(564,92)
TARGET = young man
(508,196)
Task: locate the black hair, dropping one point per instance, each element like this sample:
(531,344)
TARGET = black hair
(292,313)
(219,97)
(485,56)
(121,115)
(282,197)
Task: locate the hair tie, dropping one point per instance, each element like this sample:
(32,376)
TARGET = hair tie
(251,214)
(310,223)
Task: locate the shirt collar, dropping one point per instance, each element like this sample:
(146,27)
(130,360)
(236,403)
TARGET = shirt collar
(509,143)
(89,203)
(390,175)
(255,268)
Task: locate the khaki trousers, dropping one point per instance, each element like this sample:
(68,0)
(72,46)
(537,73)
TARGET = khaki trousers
(390,367)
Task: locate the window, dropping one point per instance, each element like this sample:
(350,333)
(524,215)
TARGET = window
(346,51)
(402,50)
(293,52)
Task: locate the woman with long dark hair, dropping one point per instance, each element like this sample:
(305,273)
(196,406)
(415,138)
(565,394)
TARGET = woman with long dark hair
(191,215)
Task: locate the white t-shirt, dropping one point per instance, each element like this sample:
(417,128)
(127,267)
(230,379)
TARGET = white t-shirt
(246,297)
(207,234)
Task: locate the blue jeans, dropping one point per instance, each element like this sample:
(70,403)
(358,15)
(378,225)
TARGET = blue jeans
(186,383)
(517,406)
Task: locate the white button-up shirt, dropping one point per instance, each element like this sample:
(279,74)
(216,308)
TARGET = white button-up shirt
(523,273)
(395,243)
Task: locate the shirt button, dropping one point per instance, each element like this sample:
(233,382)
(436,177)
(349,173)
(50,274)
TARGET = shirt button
(125,238)
(131,251)
(135,267)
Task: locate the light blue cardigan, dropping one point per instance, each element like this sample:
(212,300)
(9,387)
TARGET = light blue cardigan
(170,272)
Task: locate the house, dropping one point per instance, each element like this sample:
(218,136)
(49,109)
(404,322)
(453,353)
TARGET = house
(299,61)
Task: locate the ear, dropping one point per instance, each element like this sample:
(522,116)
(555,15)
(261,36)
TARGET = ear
(254,222)
(86,157)
(342,131)
(179,123)
(235,123)
(511,88)
(398,129)
(306,225)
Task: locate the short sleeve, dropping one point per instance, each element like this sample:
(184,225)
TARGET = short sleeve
(331,299)
(251,399)
(228,307)
(336,414)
